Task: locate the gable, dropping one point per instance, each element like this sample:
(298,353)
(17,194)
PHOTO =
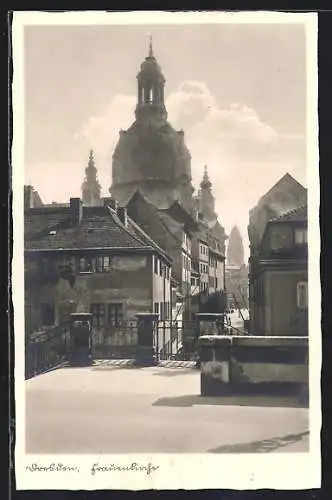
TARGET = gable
(286,195)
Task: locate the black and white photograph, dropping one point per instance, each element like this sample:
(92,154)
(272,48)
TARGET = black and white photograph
(166,282)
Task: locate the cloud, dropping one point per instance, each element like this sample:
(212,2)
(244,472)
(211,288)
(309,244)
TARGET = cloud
(245,155)
(101,132)
(235,134)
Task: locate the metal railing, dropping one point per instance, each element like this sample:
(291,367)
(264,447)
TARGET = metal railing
(172,340)
(46,349)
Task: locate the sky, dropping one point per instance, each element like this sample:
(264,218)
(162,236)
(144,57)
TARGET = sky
(237,90)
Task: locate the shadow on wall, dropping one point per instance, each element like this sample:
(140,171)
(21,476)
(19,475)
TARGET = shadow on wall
(250,400)
(265,445)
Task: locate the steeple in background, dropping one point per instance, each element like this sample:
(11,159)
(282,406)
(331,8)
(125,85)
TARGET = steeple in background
(91,187)
(206,199)
(235,251)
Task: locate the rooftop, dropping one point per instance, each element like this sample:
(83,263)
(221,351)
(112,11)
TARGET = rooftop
(299,214)
(52,228)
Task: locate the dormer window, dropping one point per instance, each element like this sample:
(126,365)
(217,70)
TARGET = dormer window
(301,236)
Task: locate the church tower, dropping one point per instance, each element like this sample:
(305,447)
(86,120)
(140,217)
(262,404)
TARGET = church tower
(150,90)
(235,251)
(91,186)
(151,156)
(207,200)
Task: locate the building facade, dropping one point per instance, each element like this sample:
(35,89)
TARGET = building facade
(92,259)
(173,230)
(278,270)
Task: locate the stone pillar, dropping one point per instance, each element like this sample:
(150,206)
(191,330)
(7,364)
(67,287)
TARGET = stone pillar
(211,323)
(215,354)
(146,339)
(80,351)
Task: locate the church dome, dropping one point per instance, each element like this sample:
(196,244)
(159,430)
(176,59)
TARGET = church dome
(151,155)
(151,151)
(151,68)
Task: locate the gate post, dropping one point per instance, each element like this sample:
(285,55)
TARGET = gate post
(211,323)
(80,349)
(215,354)
(146,325)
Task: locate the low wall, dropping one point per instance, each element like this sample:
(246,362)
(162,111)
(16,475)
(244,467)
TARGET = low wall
(273,365)
(215,354)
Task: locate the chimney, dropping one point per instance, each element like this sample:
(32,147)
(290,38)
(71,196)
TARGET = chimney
(76,210)
(28,197)
(122,214)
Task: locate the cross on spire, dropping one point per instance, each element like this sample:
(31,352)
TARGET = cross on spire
(150,46)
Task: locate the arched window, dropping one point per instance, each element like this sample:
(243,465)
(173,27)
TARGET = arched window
(150,96)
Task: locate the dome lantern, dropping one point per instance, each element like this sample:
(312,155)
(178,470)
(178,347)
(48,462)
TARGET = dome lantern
(151,83)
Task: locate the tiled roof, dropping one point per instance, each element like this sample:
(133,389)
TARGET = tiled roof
(161,216)
(299,214)
(52,229)
(141,235)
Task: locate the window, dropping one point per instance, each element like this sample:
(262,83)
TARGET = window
(161,268)
(193,281)
(156,261)
(302,295)
(301,236)
(162,312)
(81,265)
(47,314)
(98,264)
(98,315)
(115,314)
(106,315)
(103,264)
(156,308)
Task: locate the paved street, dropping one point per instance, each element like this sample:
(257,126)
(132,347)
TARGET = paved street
(236,319)
(158,410)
